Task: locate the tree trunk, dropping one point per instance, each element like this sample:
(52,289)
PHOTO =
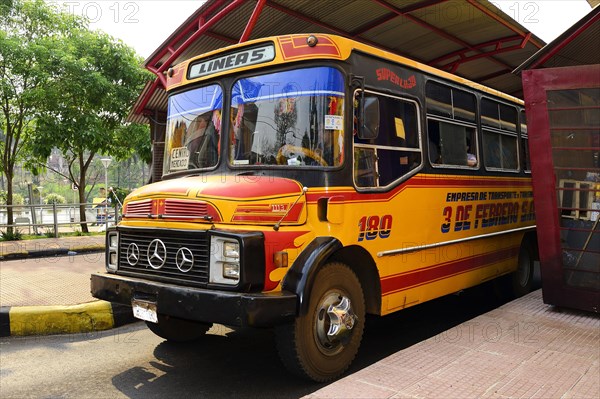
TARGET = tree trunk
(81,191)
(9,202)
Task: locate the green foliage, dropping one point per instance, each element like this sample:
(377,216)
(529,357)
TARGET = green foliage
(120,193)
(14,235)
(97,81)
(54,198)
(17,198)
(31,36)
(62,85)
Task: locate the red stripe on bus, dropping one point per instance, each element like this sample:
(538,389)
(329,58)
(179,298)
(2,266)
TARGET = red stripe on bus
(416,278)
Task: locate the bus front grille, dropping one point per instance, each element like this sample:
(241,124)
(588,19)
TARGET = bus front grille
(169,256)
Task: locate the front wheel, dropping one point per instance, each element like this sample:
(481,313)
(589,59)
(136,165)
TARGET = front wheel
(178,330)
(322,344)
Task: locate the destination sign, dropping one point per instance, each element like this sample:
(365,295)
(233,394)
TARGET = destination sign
(251,56)
(180,158)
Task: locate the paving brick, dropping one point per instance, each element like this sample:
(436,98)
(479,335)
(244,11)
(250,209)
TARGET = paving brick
(524,349)
(588,386)
(392,377)
(352,388)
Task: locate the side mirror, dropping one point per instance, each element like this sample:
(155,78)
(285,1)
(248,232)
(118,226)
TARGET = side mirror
(368,128)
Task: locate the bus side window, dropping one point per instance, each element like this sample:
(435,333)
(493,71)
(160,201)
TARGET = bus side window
(525,142)
(396,150)
(451,126)
(499,122)
(365,167)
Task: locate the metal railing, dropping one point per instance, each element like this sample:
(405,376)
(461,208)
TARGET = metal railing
(52,218)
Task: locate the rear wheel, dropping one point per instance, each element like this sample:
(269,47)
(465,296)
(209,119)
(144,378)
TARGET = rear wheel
(522,278)
(322,344)
(178,330)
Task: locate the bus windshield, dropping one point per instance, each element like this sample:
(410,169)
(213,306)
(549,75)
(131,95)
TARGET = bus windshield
(291,118)
(193,129)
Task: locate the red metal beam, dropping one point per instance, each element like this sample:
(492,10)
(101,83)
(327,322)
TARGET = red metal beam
(208,24)
(503,21)
(462,54)
(340,32)
(159,75)
(252,21)
(192,26)
(438,31)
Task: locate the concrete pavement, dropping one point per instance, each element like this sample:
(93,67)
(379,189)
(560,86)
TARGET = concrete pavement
(521,349)
(54,296)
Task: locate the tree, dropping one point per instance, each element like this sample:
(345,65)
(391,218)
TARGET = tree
(97,80)
(30,33)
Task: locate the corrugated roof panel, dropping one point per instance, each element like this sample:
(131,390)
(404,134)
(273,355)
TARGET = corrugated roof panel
(200,46)
(583,50)
(314,8)
(428,31)
(274,22)
(414,42)
(513,86)
(234,23)
(351,16)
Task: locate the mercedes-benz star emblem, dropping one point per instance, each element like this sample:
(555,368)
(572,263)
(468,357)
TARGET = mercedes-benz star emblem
(133,254)
(157,254)
(184,259)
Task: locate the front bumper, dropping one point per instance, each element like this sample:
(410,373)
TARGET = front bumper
(199,304)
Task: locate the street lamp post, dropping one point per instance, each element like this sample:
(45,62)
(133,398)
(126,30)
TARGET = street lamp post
(39,188)
(106,162)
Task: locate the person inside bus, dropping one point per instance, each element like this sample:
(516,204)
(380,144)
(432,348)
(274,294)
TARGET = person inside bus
(471,158)
(202,141)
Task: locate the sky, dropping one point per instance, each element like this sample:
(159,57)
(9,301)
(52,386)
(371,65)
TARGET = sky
(146,24)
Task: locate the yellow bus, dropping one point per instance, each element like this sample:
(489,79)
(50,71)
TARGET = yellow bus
(310,180)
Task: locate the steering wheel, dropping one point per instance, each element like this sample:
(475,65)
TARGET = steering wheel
(294,149)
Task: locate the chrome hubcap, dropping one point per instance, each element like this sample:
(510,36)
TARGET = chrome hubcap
(334,324)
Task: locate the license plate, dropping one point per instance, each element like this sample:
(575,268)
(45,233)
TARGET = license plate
(144,310)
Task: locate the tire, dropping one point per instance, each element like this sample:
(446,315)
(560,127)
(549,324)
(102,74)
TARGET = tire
(522,278)
(178,330)
(336,306)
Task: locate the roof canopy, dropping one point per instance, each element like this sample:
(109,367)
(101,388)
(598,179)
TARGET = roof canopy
(578,45)
(470,38)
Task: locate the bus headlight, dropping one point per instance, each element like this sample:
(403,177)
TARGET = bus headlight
(112,250)
(231,250)
(231,271)
(225,261)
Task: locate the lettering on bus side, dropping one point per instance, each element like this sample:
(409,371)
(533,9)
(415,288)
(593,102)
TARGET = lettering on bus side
(481,210)
(385,74)
(375,226)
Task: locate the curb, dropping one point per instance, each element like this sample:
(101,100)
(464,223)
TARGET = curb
(70,319)
(44,253)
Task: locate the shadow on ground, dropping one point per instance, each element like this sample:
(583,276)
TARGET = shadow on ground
(244,363)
